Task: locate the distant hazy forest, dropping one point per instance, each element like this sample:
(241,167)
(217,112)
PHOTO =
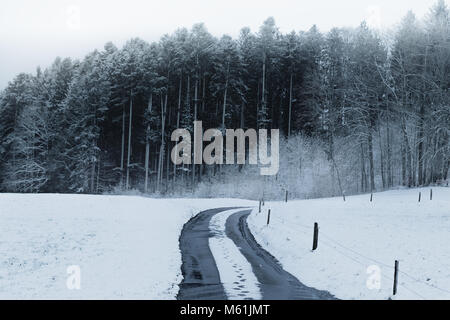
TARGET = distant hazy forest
(358,110)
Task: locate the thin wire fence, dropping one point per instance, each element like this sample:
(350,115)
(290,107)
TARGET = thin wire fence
(333,244)
(383,264)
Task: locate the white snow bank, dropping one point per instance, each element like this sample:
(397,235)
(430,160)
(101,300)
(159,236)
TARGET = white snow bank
(357,237)
(126,247)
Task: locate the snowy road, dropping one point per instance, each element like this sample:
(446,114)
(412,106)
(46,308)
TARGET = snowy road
(222,260)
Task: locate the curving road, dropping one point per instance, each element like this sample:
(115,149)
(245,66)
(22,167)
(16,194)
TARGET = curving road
(201,278)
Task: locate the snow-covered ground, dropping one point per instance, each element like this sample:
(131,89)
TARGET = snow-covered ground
(358,238)
(126,246)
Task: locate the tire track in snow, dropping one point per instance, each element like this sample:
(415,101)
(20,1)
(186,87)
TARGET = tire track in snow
(222,260)
(275,283)
(235,271)
(201,278)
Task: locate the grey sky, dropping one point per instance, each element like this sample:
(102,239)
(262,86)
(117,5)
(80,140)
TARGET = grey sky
(33,33)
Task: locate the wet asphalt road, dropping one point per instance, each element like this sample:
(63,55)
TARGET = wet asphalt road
(201,276)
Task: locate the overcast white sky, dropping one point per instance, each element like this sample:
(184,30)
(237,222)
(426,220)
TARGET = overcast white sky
(34,32)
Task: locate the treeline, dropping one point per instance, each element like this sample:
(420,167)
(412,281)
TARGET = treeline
(104,122)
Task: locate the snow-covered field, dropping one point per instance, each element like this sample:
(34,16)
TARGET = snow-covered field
(126,246)
(358,238)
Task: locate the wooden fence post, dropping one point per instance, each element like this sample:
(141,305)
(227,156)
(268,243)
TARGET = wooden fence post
(394,290)
(286,196)
(268,217)
(315,236)
(259,211)
(371,197)
(431,194)
(420,195)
